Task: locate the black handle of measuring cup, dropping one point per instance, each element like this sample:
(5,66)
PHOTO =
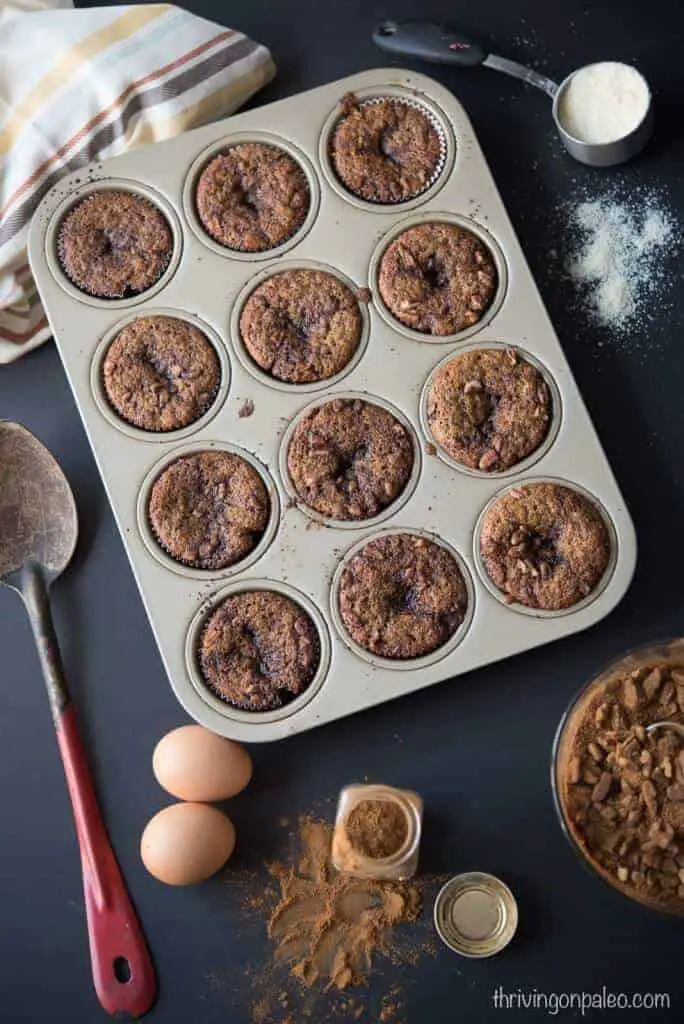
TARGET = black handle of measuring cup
(426,41)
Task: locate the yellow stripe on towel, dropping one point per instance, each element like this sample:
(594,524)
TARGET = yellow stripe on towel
(70,60)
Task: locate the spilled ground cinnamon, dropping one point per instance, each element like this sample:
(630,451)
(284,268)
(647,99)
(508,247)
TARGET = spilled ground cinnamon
(329,931)
(377,828)
(329,926)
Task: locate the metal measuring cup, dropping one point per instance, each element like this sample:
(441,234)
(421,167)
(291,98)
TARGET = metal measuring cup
(439,45)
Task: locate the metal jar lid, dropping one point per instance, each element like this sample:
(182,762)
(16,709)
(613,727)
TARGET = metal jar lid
(476,915)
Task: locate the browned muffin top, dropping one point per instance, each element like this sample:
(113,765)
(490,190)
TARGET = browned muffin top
(622,787)
(488,408)
(161,373)
(545,545)
(253,197)
(114,244)
(301,325)
(349,459)
(385,151)
(209,509)
(259,650)
(402,596)
(437,278)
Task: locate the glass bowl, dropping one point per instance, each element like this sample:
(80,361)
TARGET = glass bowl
(666,653)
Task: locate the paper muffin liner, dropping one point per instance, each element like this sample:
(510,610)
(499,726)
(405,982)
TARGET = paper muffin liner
(428,115)
(128,293)
(283,241)
(289,696)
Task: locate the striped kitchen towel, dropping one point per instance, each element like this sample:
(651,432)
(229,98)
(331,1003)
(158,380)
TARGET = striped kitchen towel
(76,85)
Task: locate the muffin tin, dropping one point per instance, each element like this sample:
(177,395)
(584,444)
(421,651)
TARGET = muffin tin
(300,554)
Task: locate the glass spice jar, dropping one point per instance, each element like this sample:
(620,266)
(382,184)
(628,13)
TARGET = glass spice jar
(377,832)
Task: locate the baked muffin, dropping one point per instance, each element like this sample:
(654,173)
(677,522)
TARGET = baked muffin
(114,244)
(621,786)
(545,545)
(488,408)
(253,197)
(437,278)
(301,326)
(161,373)
(402,596)
(259,650)
(209,510)
(349,459)
(385,151)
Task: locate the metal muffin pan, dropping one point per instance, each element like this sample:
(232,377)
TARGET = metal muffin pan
(303,555)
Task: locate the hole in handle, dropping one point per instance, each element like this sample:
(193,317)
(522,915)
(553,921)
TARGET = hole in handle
(122,970)
(388,28)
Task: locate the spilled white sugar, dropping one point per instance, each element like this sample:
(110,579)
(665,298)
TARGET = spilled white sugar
(617,258)
(603,102)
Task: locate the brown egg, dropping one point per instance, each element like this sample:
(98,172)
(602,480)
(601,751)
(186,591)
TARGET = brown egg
(186,843)
(192,763)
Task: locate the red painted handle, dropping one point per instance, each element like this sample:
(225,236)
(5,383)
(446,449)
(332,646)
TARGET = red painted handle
(122,969)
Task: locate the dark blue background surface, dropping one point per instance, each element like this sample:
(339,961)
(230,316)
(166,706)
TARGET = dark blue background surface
(478,748)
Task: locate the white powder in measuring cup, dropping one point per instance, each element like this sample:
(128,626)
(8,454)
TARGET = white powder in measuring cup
(603,102)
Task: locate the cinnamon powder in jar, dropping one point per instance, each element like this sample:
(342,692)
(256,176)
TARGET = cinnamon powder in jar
(377,828)
(377,831)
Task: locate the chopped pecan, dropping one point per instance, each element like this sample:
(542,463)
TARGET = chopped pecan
(667,693)
(649,793)
(602,787)
(489,459)
(618,719)
(596,752)
(630,694)
(651,683)
(601,714)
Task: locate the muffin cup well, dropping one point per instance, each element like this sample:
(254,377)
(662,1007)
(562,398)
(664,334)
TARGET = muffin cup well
(158,436)
(435,116)
(246,360)
(221,707)
(111,185)
(467,224)
(399,664)
(350,524)
(671,650)
(544,613)
(221,146)
(155,547)
(531,459)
